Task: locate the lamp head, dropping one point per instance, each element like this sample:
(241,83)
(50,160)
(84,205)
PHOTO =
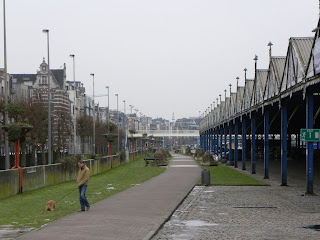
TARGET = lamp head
(45,30)
(72,55)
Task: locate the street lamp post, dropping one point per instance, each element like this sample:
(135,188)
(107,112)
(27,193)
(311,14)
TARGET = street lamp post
(108,113)
(93,118)
(49,100)
(118,119)
(125,126)
(131,106)
(74,108)
(6,87)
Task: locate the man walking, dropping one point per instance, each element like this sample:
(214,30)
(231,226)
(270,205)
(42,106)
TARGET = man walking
(82,180)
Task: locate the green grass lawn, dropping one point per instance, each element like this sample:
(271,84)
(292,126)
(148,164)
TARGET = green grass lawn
(226,176)
(28,209)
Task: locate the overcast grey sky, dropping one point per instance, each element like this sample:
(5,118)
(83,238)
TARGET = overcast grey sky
(162,56)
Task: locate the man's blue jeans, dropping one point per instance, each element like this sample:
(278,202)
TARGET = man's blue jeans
(82,197)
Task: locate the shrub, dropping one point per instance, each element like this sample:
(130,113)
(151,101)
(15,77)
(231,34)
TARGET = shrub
(168,153)
(161,155)
(69,162)
(188,151)
(208,160)
(199,154)
(122,156)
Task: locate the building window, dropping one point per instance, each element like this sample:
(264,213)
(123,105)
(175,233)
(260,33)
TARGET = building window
(44,80)
(38,95)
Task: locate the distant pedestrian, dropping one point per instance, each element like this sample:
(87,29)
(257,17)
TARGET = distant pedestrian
(82,180)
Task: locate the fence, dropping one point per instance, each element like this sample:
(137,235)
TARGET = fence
(40,176)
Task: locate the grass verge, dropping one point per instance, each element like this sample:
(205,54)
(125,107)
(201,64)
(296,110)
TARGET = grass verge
(225,176)
(27,210)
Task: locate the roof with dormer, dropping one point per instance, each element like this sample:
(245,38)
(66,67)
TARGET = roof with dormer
(22,78)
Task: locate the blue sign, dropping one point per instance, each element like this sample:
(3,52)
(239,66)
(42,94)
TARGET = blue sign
(316,56)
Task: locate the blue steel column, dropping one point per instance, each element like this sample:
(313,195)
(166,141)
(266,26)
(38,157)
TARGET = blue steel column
(213,136)
(221,138)
(236,144)
(284,144)
(198,141)
(217,136)
(253,143)
(211,140)
(309,152)
(214,141)
(217,141)
(225,142)
(244,139)
(266,144)
(203,137)
(206,141)
(230,141)
(201,140)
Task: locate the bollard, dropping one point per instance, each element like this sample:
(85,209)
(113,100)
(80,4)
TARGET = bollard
(205,177)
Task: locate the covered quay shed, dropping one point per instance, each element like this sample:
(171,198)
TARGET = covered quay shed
(262,120)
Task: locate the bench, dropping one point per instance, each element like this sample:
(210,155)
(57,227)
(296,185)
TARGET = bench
(151,159)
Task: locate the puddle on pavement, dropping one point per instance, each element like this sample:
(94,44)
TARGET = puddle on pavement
(198,223)
(8,232)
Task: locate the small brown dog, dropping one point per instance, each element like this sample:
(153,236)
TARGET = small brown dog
(51,205)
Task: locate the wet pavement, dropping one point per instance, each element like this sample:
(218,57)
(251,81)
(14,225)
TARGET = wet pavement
(248,212)
(9,232)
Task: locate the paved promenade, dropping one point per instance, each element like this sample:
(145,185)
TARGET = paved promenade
(229,212)
(132,214)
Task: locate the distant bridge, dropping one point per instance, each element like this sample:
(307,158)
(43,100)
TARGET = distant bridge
(167,133)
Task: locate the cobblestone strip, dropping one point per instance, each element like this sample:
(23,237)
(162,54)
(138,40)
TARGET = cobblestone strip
(231,212)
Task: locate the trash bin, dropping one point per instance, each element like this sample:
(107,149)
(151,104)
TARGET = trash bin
(205,177)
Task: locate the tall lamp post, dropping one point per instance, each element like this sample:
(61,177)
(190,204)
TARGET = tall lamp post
(125,126)
(74,108)
(49,100)
(6,87)
(118,119)
(108,113)
(131,106)
(93,118)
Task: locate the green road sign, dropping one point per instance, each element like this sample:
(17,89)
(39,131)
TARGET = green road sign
(310,135)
